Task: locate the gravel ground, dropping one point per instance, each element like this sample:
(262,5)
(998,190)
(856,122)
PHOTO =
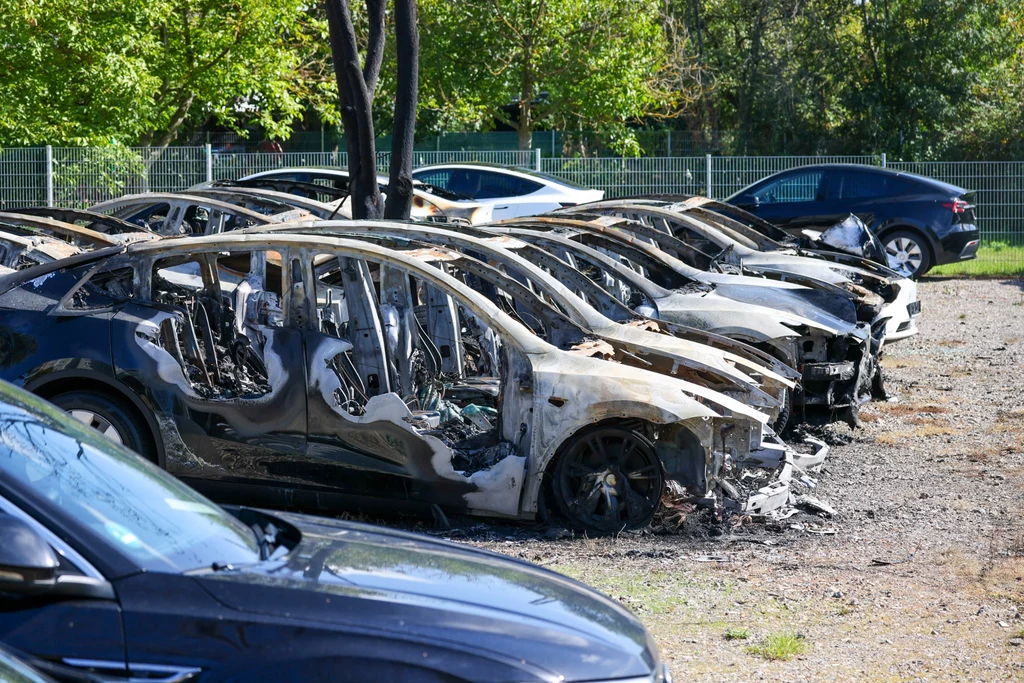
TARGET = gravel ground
(920,575)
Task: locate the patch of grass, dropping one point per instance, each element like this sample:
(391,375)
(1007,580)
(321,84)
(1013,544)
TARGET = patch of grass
(737,634)
(994,259)
(900,409)
(892,438)
(779,646)
(891,363)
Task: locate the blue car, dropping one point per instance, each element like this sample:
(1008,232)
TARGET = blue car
(112,569)
(922,222)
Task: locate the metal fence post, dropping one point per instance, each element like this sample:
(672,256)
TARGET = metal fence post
(883,159)
(49,175)
(707,169)
(536,159)
(209,163)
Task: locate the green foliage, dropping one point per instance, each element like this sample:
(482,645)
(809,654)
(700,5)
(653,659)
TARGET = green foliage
(779,646)
(576,64)
(107,70)
(918,79)
(737,634)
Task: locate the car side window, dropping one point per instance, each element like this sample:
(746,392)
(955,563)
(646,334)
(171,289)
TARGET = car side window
(799,187)
(465,181)
(498,185)
(226,304)
(439,178)
(105,288)
(856,185)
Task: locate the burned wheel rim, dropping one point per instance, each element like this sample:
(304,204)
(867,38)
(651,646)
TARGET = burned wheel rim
(99,423)
(908,254)
(609,479)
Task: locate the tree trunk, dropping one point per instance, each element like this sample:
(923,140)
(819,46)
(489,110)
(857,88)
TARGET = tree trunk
(525,127)
(407,41)
(356,110)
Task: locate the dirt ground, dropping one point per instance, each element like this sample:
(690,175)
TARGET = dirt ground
(920,574)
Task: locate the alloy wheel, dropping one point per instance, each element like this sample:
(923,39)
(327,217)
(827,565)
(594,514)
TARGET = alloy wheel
(610,480)
(907,253)
(99,423)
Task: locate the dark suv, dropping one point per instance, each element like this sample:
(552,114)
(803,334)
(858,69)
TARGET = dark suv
(921,221)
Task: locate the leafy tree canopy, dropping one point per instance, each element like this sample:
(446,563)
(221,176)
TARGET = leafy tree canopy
(100,70)
(567,64)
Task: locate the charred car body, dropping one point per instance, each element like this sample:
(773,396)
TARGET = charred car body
(170,214)
(837,358)
(429,203)
(305,371)
(882,296)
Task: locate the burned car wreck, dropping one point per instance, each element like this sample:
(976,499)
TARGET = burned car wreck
(882,296)
(315,371)
(836,357)
(170,214)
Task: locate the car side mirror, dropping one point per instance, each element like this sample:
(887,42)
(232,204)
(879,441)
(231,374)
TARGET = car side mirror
(747,202)
(28,565)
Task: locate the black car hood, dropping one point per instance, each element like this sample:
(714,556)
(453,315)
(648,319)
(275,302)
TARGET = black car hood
(412,587)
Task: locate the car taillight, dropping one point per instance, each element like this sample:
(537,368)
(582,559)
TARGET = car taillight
(956,206)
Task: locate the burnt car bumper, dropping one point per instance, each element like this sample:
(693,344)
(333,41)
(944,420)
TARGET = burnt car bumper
(842,382)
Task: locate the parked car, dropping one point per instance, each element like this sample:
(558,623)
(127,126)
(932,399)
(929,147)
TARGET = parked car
(921,221)
(250,197)
(111,569)
(837,358)
(97,222)
(331,184)
(511,191)
(882,296)
(27,241)
(512,273)
(173,214)
(268,368)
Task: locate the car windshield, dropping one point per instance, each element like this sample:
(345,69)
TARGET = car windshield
(131,505)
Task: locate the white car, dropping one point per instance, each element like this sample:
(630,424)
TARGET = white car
(511,191)
(330,185)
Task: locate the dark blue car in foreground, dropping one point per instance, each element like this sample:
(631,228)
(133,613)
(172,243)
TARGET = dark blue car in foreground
(922,222)
(112,568)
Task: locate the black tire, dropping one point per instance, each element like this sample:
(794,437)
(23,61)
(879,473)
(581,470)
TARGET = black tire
(112,413)
(607,480)
(782,421)
(912,244)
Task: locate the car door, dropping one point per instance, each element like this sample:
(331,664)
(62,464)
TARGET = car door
(233,416)
(357,443)
(58,628)
(511,195)
(791,201)
(856,192)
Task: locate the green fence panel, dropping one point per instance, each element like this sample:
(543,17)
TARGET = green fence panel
(22,177)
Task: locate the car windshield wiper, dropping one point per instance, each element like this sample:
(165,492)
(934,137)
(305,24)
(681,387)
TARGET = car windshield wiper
(266,537)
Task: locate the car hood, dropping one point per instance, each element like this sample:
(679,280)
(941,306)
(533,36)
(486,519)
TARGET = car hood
(730,316)
(838,274)
(415,588)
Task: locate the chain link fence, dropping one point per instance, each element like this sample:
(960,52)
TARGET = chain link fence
(80,177)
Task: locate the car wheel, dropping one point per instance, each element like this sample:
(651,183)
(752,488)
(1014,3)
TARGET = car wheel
(910,252)
(782,421)
(608,479)
(111,417)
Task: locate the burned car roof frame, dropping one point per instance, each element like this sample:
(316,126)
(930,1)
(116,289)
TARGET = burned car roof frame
(112,224)
(57,229)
